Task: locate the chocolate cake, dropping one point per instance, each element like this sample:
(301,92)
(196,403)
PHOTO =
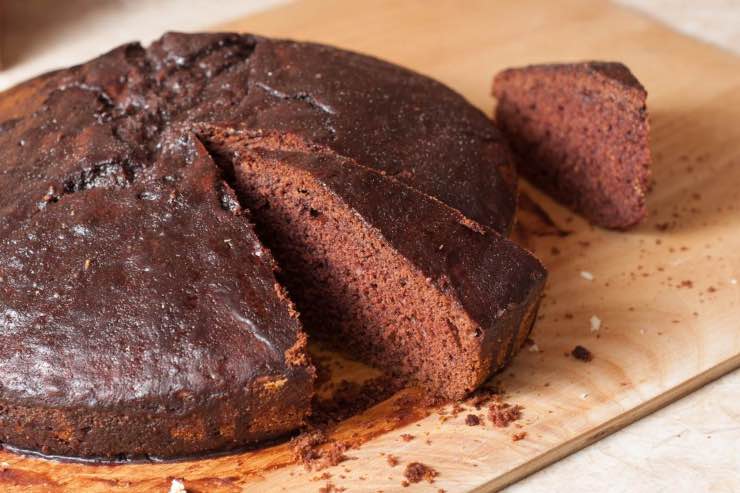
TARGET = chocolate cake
(140,312)
(409,284)
(582,132)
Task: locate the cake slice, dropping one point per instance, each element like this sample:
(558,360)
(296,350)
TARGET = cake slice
(141,318)
(387,273)
(581,131)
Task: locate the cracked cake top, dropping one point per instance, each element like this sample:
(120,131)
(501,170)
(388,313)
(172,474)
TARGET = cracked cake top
(78,124)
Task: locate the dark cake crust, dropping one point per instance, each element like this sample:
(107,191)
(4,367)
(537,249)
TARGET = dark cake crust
(582,132)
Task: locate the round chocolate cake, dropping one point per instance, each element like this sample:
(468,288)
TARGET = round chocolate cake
(140,310)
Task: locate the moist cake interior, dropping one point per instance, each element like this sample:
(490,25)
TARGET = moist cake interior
(581,130)
(349,286)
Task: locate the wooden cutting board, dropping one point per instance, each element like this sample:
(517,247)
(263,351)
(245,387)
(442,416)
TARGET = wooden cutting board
(666,293)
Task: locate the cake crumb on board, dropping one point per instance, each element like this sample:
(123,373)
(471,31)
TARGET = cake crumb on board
(520,435)
(331,488)
(417,472)
(502,414)
(582,354)
(316,451)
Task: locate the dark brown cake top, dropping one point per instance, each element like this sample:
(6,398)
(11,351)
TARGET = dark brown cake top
(115,109)
(125,289)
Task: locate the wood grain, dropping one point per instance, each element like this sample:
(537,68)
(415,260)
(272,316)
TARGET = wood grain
(666,293)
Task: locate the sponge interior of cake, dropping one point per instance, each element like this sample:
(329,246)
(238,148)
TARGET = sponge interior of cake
(581,131)
(352,288)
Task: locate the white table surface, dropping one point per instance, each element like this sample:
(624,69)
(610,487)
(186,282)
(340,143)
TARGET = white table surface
(692,445)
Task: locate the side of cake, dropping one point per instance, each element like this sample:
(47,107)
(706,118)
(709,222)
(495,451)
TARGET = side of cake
(581,131)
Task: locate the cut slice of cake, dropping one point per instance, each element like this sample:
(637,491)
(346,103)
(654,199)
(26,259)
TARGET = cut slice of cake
(387,273)
(581,131)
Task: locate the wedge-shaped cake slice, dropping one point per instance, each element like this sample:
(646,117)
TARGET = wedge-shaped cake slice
(387,273)
(581,131)
(142,318)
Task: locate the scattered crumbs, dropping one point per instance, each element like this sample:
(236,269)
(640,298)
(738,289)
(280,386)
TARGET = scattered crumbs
(711,289)
(331,488)
(177,486)
(595,323)
(406,437)
(323,477)
(502,414)
(483,395)
(441,490)
(316,451)
(472,420)
(584,395)
(582,354)
(662,226)
(405,483)
(686,284)
(392,460)
(532,346)
(86,265)
(417,472)
(568,316)
(520,435)
(587,275)
(555,251)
